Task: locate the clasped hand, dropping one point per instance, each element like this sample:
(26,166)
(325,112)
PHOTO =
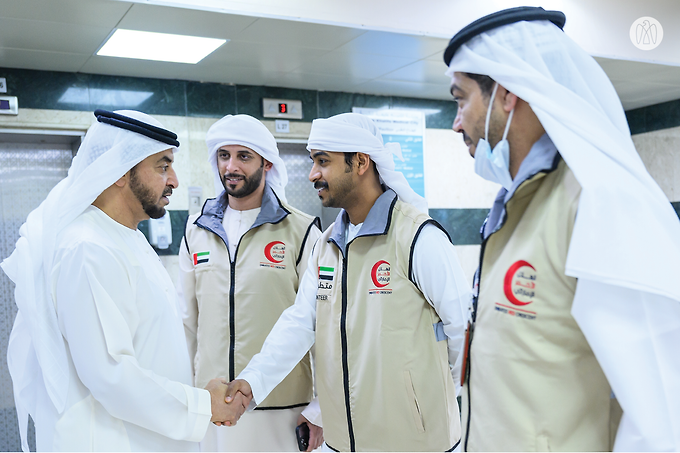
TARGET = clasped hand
(228,401)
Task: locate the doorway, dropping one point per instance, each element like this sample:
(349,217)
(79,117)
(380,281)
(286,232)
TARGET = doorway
(30,166)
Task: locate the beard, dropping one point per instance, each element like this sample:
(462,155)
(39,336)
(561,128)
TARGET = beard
(339,196)
(250,184)
(150,203)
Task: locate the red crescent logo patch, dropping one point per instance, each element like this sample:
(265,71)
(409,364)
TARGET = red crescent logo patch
(380,274)
(519,284)
(275,251)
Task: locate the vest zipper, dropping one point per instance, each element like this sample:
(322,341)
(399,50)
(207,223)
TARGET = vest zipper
(232,327)
(343,341)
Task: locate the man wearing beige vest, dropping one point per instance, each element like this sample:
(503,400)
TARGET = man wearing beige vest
(241,260)
(384,299)
(577,288)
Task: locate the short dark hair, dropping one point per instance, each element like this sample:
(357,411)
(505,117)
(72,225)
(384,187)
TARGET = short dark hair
(349,157)
(485,82)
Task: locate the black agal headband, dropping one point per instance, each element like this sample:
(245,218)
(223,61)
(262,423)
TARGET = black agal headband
(131,124)
(498,19)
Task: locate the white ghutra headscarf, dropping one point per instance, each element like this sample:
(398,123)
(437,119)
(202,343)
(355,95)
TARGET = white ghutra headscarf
(625,247)
(352,133)
(37,349)
(247,131)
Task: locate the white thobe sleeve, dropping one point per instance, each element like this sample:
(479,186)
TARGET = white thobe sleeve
(437,273)
(313,411)
(98,315)
(287,343)
(635,337)
(186,294)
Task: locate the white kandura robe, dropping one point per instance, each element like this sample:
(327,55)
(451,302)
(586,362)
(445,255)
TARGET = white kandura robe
(129,386)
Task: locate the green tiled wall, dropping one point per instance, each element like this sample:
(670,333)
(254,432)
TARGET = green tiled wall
(46,89)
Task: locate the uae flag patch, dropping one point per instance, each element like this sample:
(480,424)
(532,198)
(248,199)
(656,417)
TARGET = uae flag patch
(326,273)
(201,257)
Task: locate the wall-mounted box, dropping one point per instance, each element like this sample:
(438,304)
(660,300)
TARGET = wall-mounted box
(9,105)
(282,108)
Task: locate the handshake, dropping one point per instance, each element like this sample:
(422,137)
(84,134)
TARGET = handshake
(228,400)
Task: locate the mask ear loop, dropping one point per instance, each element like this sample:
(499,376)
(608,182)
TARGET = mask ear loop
(488,111)
(507,125)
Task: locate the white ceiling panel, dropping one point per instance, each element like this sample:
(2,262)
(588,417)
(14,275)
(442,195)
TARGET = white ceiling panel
(50,36)
(396,45)
(299,34)
(353,65)
(406,89)
(41,60)
(185,22)
(62,35)
(322,82)
(96,13)
(424,71)
(273,57)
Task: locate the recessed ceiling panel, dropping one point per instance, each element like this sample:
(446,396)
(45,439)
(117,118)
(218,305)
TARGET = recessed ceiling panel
(94,13)
(396,45)
(271,57)
(40,60)
(183,21)
(424,71)
(406,89)
(354,64)
(51,36)
(299,34)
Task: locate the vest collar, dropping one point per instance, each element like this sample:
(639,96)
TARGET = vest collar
(377,221)
(542,158)
(271,211)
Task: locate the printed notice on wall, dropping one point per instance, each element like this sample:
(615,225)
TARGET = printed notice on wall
(406,127)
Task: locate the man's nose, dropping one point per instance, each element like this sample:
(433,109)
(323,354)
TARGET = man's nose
(457,124)
(314,174)
(173,180)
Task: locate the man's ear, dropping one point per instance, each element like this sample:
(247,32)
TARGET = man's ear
(509,99)
(363,163)
(122,182)
(267,165)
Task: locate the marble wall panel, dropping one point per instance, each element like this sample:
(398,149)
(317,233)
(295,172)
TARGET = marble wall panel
(210,99)
(468,256)
(659,152)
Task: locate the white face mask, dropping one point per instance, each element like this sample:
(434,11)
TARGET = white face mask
(494,165)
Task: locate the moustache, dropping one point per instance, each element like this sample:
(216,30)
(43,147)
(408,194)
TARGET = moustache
(321,185)
(167,192)
(232,175)
(466,139)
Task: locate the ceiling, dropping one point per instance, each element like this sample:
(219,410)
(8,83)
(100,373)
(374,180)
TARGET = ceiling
(63,35)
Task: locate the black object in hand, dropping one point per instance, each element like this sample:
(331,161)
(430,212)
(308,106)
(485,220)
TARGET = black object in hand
(302,434)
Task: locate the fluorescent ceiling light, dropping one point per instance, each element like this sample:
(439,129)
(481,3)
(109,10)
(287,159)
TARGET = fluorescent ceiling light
(146,45)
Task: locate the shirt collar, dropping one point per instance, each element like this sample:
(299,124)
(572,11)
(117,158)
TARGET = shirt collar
(271,211)
(542,157)
(377,221)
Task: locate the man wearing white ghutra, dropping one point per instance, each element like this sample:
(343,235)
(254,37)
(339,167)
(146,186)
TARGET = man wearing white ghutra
(577,313)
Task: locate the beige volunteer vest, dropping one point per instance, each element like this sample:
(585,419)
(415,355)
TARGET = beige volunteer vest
(238,304)
(382,377)
(534,383)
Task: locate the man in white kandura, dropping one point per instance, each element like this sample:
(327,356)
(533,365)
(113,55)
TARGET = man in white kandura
(578,307)
(97,354)
(241,261)
(383,297)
